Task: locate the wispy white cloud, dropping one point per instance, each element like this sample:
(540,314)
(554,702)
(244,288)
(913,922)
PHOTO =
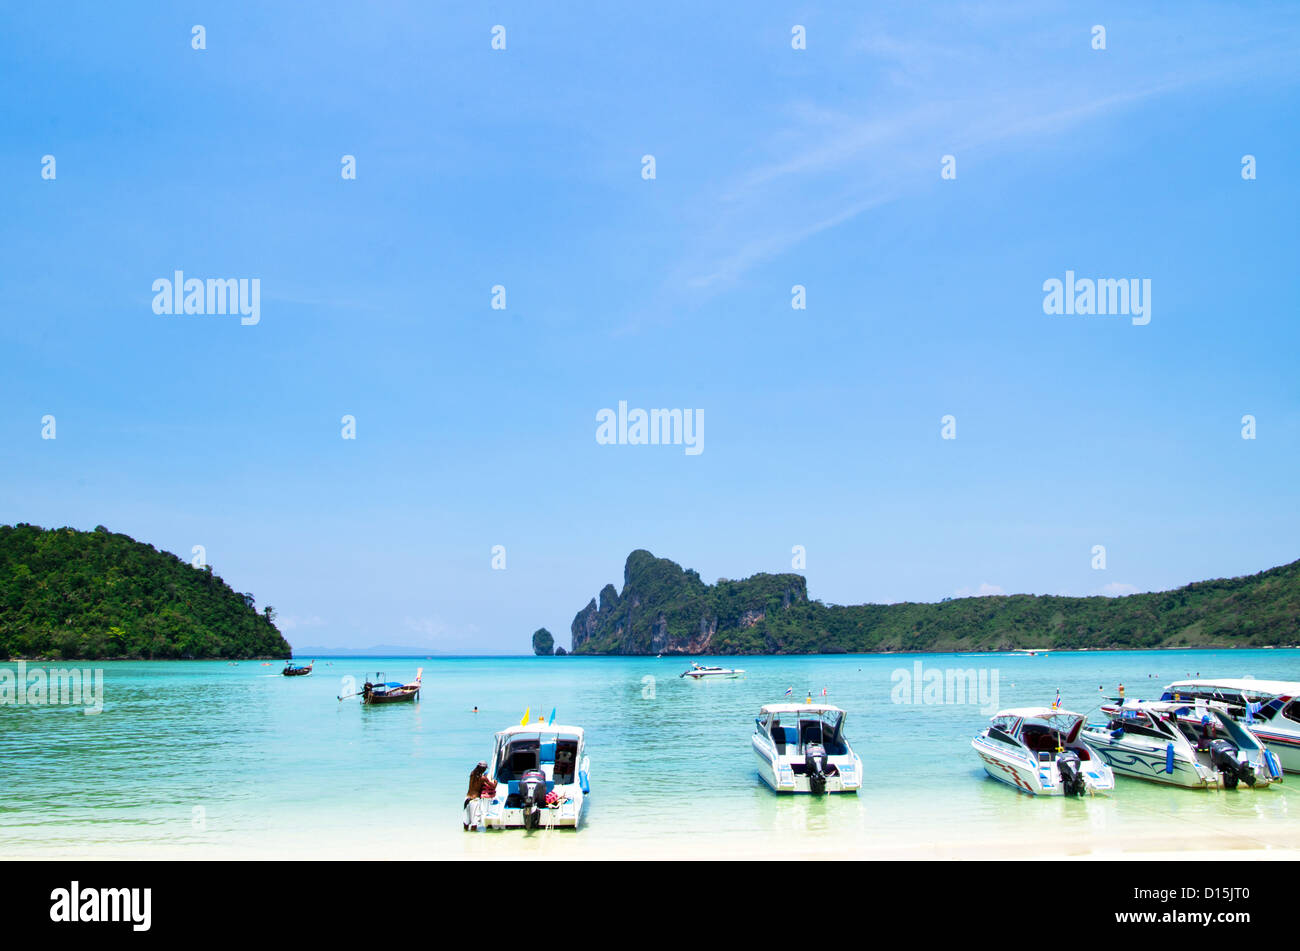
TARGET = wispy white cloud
(983,591)
(1117,589)
(293,622)
(826,167)
(429,627)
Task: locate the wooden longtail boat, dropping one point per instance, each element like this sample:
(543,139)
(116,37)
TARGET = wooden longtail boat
(380,691)
(291,671)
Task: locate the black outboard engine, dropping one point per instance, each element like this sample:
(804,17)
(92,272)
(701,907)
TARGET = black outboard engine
(814,762)
(1071,770)
(1223,757)
(532,796)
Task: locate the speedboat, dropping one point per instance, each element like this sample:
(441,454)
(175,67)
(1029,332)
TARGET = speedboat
(1193,744)
(538,772)
(291,670)
(801,748)
(712,673)
(1038,751)
(1268,708)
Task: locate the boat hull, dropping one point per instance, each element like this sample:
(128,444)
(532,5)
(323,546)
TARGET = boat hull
(1152,764)
(1286,747)
(778,774)
(375,698)
(1037,778)
(729,675)
(495,814)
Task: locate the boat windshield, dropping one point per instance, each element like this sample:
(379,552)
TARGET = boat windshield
(793,732)
(1039,733)
(1148,723)
(1221,723)
(1006,725)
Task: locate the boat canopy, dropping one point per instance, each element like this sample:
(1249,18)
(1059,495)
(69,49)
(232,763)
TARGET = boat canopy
(1159,706)
(1247,686)
(1037,713)
(540,728)
(780,708)
(1064,722)
(1189,710)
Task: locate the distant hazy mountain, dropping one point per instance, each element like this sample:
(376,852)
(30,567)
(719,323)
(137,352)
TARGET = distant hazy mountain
(377,650)
(665,609)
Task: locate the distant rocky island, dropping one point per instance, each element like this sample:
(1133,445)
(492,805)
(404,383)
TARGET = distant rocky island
(664,609)
(67,594)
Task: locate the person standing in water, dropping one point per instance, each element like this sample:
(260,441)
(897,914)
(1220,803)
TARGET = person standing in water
(472,795)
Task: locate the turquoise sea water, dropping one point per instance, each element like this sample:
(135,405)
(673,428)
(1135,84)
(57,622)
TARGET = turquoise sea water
(204,759)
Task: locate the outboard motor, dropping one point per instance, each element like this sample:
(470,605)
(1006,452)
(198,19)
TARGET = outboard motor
(1223,757)
(1071,770)
(814,761)
(532,795)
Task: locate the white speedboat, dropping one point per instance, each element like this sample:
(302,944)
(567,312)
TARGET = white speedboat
(801,748)
(1194,744)
(712,673)
(1038,751)
(541,775)
(1268,708)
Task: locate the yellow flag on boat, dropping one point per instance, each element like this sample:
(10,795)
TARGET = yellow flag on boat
(524,721)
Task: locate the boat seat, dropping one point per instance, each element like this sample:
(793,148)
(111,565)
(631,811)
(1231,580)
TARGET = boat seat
(784,736)
(813,735)
(523,760)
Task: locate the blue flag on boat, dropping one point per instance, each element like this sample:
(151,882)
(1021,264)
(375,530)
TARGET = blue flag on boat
(552,719)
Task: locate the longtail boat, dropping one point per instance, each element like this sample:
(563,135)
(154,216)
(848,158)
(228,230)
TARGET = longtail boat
(379,690)
(291,671)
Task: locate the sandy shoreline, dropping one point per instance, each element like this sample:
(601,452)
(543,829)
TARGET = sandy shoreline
(570,846)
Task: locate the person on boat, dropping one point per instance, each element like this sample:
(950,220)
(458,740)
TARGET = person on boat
(476,781)
(475,791)
(1206,740)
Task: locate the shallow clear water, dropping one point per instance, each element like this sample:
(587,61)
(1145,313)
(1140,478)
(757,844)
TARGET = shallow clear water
(206,759)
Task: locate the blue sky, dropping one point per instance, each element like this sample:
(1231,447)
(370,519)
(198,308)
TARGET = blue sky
(774,167)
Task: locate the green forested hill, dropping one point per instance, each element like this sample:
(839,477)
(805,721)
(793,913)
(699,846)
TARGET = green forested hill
(664,608)
(66,594)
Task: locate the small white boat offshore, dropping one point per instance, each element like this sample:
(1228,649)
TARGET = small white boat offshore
(1268,708)
(540,772)
(1038,751)
(1192,744)
(712,673)
(801,748)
